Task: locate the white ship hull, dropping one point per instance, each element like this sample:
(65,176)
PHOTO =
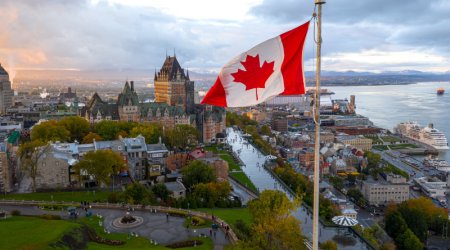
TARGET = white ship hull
(426,135)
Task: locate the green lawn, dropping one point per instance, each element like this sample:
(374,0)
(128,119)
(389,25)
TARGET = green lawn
(22,232)
(243,179)
(231,163)
(402,146)
(240,177)
(78,196)
(380,147)
(230,215)
(390,139)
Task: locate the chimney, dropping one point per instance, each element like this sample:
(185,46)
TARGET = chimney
(132,85)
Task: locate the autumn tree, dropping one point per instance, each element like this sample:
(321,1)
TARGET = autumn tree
(150,131)
(265,130)
(89,138)
(182,136)
(77,126)
(197,172)
(212,193)
(30,154)
(50,131)
(274,226)
(101,164)
(328,245)
(110,130)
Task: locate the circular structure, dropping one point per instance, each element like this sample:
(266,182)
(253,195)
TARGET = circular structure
(344,221)
(127,221)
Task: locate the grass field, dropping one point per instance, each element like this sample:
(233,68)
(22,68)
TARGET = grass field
(31,233)
(23,232)
(240,177)
(243,179)
(78,196)
(230,215)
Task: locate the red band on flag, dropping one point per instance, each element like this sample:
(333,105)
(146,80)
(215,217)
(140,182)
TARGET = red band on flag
(292,67)
(216,95)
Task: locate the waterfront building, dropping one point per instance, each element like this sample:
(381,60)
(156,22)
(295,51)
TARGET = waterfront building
(358,142)
(393,189)
(6,93)
(433,189)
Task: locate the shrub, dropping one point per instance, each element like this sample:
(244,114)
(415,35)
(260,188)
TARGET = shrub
(177,213)
(187,243)
(15,212)
(197,221)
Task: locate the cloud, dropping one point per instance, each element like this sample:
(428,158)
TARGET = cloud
(121,35)
(390,27)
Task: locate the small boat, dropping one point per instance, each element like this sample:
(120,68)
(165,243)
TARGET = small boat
(440,91)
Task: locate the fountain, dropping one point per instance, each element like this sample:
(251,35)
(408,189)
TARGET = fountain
(127,221)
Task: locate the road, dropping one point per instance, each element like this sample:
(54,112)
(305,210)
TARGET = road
(263,180)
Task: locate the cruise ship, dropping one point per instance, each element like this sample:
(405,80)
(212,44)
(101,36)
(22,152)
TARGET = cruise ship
(427,135)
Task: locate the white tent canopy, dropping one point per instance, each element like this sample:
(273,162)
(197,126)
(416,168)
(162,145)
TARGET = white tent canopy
(344,221)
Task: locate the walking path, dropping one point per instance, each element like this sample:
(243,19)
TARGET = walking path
(156,226)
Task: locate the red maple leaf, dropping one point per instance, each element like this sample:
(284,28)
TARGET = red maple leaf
(254,76)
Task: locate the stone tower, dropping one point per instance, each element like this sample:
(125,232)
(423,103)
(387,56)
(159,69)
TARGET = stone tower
(128,104)
(173,86)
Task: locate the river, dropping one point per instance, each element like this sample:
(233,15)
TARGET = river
(388,105)
(262,179)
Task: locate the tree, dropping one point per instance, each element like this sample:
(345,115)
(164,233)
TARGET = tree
(274,225)
(110,130)
(328,245)
(49,131)
(182,136)
(265,130)
(408,241)
(212,193)
(372,159)
(77,126)
(197,172)
(101,164)
(395,224)
(89,138)
(161,191)
(30,154)
(136,193)
(150,131)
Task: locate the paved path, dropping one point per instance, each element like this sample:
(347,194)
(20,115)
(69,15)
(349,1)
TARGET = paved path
(155,226)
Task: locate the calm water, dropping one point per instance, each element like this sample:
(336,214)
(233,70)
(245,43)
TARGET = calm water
(386,106)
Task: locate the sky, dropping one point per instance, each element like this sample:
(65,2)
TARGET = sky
(367,35)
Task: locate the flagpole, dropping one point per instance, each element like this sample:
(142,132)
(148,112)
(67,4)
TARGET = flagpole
(315,223)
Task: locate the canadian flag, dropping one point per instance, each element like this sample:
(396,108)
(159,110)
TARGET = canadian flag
(271,68)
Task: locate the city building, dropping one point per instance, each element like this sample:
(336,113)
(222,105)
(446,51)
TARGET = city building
(6,93)
(358,142)
(279,122)
(173,86)
(256,115)
(393,189)
(433,189)
(174,104)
